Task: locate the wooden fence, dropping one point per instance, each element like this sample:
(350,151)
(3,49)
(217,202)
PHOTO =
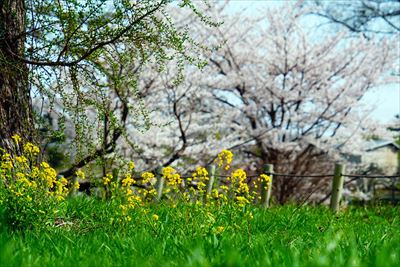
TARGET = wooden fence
(335,193)
(336,188)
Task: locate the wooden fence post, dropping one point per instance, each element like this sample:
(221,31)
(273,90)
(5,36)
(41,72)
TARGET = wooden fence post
(72,190)
(160,183)
(211,174)
(337,187)
(266,194)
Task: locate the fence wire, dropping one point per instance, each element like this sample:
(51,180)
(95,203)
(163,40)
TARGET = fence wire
(370,176)
(306,175)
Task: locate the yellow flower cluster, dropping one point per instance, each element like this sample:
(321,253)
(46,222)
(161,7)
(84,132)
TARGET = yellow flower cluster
(148,181)
(148,193)
(61,190)
(22,187)
(171,176)
(31,149)
(242,201)
(107,179)
(147,177)
(126,197)
(29,189)
(264,181)
(6,163)
(76,185)
(80,174)
(224,159)
(129,203)
(238,181)
(17,172)
(47,174)
(16,138)
(234,191)
(128,180)
(239,189)
(200,176)
(22,160)
(134,201)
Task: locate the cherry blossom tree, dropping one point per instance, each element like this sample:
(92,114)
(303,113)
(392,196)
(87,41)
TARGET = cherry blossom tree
(361,16)
(275,92)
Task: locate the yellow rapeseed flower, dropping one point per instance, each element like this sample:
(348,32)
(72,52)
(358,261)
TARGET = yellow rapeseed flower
(44,165)
(16,138)
(129,192)
(173,179)
(155,217)
(200,174)
(131,165)
(238,180)
(265,181)
(60,198)
(63,181)
(134,201)
(21,159)
(147,177)
(128,181)
(224,159)
(35,172)
(7,165)
(242,201)
(107,179)
(47,174)
(30,148)
(80,174)
(76,185)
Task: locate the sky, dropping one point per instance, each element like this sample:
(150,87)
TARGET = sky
(385,99)
(387,102)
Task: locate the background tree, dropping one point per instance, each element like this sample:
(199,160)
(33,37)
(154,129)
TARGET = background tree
(362,16)
(45,41)
(15,103)
(275,94)
(55,51)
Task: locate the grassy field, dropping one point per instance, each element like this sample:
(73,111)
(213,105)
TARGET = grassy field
(190,235)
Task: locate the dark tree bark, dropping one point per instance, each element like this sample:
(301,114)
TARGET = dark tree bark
(15,102)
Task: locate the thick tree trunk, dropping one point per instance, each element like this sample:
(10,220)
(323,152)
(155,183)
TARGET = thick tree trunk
(15,102)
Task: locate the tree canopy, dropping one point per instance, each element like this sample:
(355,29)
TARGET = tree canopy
(64,57)
(362,16)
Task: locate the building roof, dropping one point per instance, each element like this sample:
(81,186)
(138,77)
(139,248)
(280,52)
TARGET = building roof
(377,144)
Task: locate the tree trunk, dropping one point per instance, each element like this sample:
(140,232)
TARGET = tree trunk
(15,102)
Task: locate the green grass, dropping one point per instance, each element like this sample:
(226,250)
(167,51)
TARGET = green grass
(188,236)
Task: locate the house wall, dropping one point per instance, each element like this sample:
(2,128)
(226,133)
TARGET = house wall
(384,157)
